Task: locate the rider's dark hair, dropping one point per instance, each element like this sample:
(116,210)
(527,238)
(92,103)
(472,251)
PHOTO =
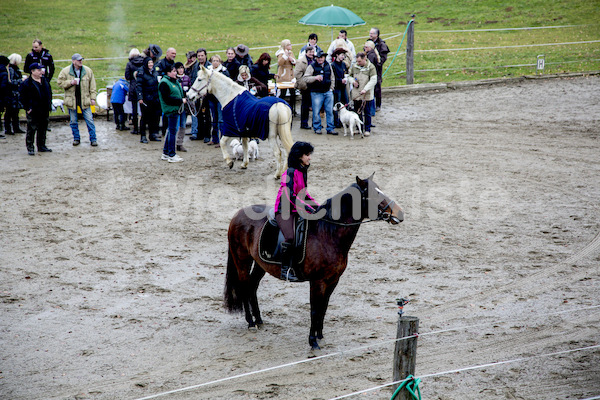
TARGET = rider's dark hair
(298,150)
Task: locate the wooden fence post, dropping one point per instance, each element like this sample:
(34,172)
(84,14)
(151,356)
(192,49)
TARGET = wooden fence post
(410,45)
(405,353)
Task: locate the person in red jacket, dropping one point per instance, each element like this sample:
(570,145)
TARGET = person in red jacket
(291,196)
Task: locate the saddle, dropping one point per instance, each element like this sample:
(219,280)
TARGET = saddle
(269,244)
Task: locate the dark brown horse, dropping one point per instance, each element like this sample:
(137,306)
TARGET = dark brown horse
(330,234)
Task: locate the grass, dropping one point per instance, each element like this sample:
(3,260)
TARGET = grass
(111,28)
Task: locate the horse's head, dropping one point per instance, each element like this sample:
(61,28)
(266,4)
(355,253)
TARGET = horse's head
(374,200)
(202,84)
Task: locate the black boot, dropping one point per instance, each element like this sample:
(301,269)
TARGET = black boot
(135,131)
(287,262)
(154,137)
(143,139)
(17,128)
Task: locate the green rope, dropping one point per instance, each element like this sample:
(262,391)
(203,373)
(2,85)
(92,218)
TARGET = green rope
(412,385)
(402,41)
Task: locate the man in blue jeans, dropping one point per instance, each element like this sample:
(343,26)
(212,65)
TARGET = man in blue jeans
(80,92)
(320,80)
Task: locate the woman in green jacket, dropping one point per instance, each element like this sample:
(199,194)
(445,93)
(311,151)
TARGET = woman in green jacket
(171,101)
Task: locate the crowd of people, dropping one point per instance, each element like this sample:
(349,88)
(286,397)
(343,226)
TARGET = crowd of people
(157,87)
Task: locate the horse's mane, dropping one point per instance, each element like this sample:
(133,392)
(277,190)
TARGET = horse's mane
(343,214)
(225,78)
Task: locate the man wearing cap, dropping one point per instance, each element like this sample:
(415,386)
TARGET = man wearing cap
(243,56)
(320,80)
(36,97)
(80,91)
(340,70)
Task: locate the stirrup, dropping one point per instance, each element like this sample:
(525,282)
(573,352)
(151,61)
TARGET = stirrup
(289,276)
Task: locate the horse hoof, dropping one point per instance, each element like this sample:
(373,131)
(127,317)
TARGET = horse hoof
(244,166)
(253,328)
(230,164)
(315,352)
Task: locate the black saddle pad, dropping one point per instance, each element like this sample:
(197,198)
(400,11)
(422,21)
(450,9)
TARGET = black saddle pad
(269,245)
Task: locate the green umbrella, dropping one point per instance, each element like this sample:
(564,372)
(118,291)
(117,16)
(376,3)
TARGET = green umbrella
(332,16)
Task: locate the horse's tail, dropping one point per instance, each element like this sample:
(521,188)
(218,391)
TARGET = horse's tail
(232,297)
(284,122)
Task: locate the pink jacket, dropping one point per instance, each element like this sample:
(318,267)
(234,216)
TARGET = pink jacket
(293,190)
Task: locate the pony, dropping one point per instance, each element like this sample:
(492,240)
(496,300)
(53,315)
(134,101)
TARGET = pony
(329,236)
(227,91)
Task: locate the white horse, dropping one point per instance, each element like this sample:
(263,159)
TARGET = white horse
(226,91)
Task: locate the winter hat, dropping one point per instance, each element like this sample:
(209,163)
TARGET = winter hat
(242,50)
(156,50)
(339,50)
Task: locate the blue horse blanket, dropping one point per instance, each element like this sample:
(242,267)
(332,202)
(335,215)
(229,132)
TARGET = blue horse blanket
(247,116)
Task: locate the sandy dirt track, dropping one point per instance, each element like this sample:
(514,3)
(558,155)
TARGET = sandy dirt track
(112,262)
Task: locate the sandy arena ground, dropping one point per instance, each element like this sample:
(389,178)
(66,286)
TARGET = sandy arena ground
(112,261)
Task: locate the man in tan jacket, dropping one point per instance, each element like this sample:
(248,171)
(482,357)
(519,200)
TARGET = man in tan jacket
(80,92)
(363,79)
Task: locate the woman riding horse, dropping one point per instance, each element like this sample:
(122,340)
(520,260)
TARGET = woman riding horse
(293,193)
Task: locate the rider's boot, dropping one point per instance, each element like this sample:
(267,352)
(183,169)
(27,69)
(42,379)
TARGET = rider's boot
(287,260)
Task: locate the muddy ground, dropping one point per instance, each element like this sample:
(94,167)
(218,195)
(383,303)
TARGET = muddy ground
(112,261)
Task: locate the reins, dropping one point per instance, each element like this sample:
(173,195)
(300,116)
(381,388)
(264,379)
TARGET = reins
(330,221)
(381,216)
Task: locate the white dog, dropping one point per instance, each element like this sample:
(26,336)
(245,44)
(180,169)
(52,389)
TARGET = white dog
(58,103)
(349,119)
(238,150)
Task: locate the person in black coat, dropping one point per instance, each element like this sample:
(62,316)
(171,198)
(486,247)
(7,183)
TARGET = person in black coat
(36,97)
(232,64)
(241,54)
(340,70)
(136,61)
(147,95)
(4,84)
(13,103)
(260,70)
(42,56)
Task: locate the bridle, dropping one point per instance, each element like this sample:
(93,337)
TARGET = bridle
(199,91)
(383,214)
